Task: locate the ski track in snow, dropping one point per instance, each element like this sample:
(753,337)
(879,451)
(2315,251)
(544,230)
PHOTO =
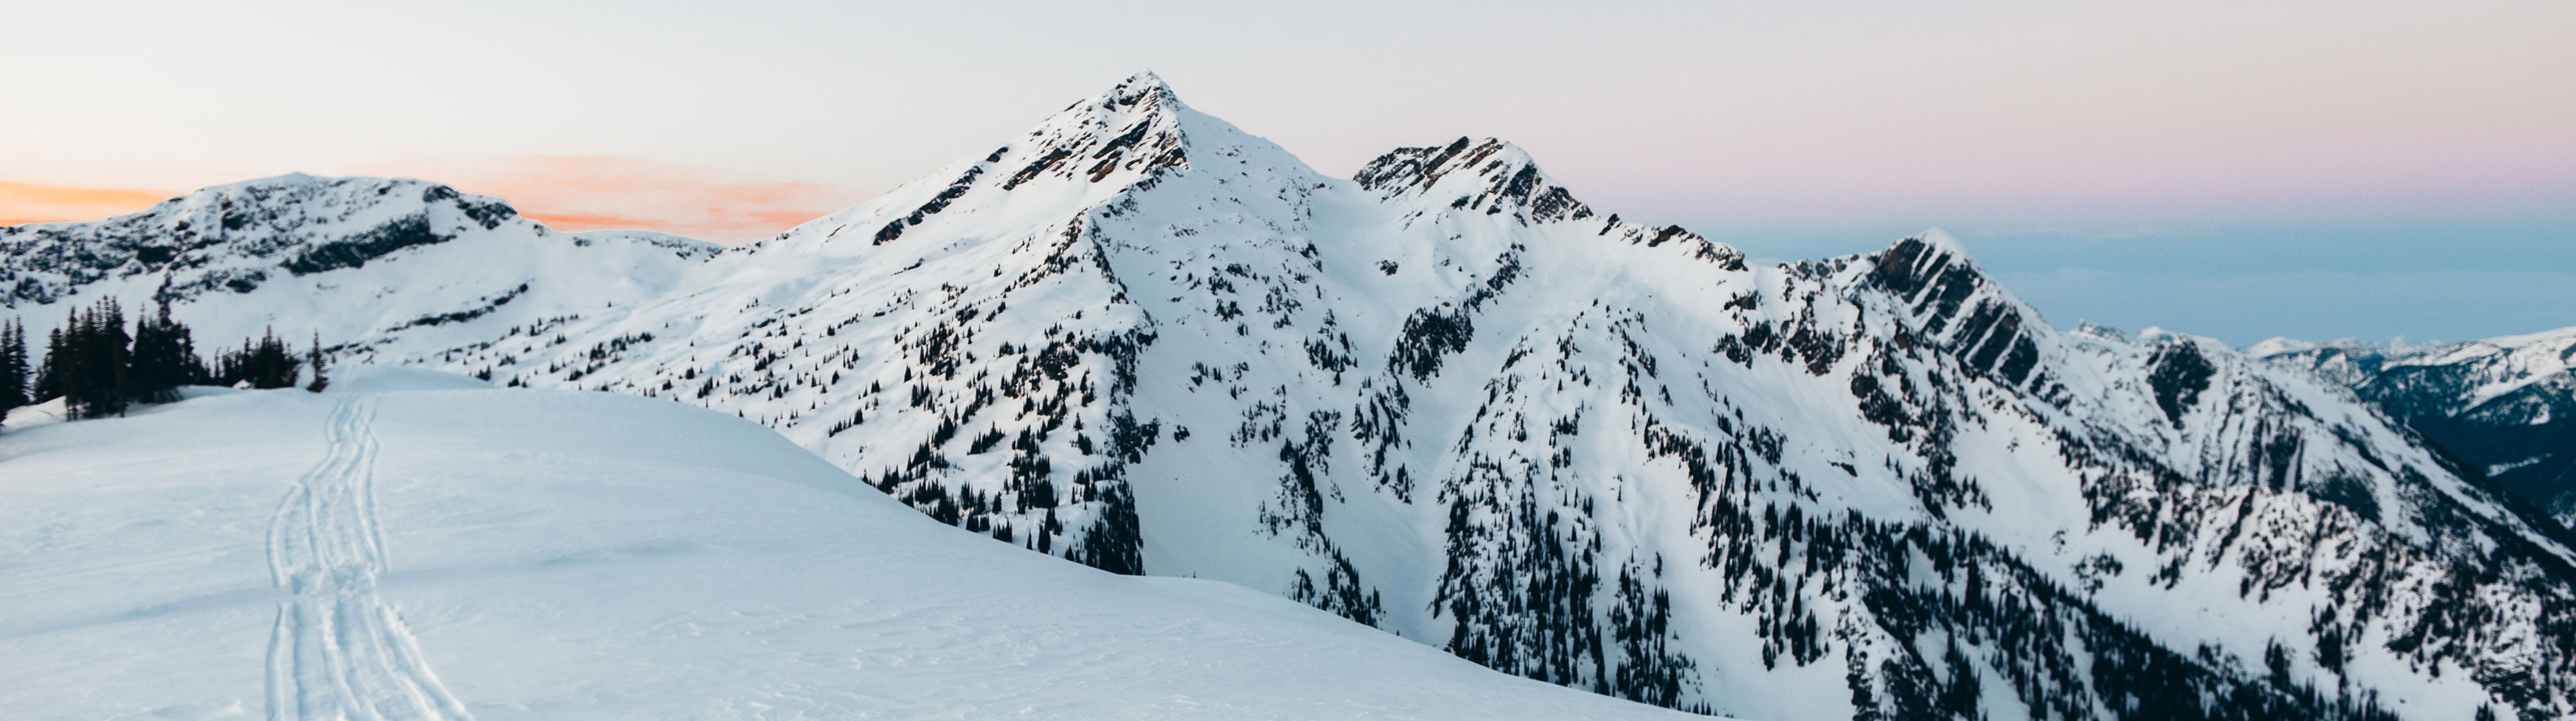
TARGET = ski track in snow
(339,651)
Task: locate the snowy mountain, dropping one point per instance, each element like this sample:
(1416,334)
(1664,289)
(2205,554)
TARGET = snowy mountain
(411,547)
(1447,399)
(371,260)
(2505,406)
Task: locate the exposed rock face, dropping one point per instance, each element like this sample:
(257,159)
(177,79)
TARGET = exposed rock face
(1449,400)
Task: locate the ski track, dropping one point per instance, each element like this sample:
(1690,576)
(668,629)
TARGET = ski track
(338,650)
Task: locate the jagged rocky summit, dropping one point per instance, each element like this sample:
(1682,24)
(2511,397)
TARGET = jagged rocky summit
(1447,399)
(2506,407)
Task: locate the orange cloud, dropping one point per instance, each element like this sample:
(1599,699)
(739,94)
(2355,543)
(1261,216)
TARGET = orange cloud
(591,221)
(35,203)
(595,192)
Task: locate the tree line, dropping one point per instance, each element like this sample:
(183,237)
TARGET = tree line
(99,368)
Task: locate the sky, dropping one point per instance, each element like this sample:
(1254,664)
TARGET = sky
(2234,169)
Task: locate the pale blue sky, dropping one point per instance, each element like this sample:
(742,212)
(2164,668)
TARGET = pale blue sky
(2239,169)
(2429,279)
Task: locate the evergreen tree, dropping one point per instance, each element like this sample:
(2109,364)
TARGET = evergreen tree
(109,356)
(321,379)
(165,357)
(47,385)
(13,366)
(66,364)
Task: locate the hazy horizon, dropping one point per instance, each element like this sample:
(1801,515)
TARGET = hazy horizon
(2187,165)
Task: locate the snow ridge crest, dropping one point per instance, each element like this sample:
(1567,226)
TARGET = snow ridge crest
(1490,176)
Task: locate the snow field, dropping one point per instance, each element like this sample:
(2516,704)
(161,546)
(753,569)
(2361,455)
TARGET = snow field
(401,551)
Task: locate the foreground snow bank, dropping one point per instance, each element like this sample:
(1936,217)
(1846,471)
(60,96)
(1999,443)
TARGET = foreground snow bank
(416,548)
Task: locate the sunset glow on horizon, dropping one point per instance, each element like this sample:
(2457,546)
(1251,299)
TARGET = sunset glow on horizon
(37,203)
(564,193)
(1763,125)
(596,192)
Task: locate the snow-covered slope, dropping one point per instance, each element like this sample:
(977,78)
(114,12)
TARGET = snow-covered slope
(370,264)
(1448,399)
(415,547)
(2506,406)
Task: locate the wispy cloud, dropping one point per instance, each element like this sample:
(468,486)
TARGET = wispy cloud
(38,203)
(594,192)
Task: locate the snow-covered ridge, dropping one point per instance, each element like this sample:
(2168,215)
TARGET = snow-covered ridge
(1091,151)
(367,263)
(1448,400)
(416,547)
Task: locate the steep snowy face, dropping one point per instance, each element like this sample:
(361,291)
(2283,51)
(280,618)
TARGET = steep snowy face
(1776,466)
(373,265)
(1448,399)
(2505,406)
(964,343)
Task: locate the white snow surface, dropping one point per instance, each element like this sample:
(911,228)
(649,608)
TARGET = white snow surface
(415,545)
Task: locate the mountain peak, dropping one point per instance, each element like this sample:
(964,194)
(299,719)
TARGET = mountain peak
(1143,92)
(1493,176)
(1131,133)
(1142,84)
(1954,302)
(1134,126)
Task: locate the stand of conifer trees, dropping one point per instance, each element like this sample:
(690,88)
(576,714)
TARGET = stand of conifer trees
(88,362)
(265,363)
(98,369)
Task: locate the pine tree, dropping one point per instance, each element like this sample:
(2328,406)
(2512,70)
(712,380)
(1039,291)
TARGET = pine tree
(109,353)
(165,357)
(13,366)
(314,357)
(48,385)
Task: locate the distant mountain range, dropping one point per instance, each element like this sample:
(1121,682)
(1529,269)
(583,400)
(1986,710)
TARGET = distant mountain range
(1447,399)
(2506,407)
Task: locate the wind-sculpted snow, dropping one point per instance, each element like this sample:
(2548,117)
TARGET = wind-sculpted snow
(1450,400)
(2505,406)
